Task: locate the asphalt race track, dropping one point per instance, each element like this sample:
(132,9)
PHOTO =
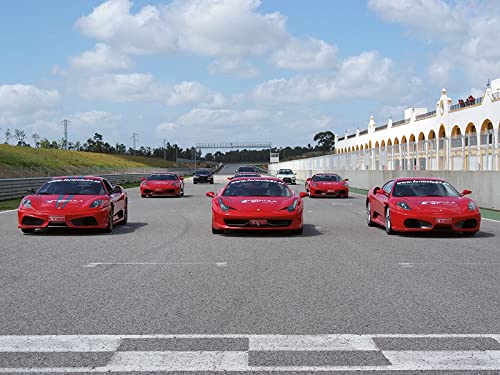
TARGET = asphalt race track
(163,294)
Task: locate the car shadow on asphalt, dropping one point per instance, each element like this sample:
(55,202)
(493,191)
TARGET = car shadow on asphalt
(130,227)
(310,230)
(448,235)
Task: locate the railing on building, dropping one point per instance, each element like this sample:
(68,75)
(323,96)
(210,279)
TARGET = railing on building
(458,106)
(425,115)
(381,127)
(401,122)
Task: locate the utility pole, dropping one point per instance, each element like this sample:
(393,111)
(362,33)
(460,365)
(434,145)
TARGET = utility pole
(134,138)
(195,159)
(65,124)
(164,149)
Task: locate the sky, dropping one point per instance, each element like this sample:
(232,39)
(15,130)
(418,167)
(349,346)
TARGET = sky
(277,71)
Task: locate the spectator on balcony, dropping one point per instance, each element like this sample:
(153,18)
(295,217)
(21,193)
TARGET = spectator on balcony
(472,100)
(461,102)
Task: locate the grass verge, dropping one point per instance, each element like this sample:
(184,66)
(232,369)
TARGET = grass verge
(10,204)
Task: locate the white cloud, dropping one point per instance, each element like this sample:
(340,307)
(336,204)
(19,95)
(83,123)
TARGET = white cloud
(233,68)
(439,70)
(211,28)
(26,98)
(225,117)
(102,118)
(305,54)
(365,75)
(185,93)
(166,128)
(465,31)
(102,59)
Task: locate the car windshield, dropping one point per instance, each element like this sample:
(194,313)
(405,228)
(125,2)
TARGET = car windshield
(162,177)
(246,169)
(72,186)
(285,171)
(203,171)
(424,188)
(330,177)
(257,188)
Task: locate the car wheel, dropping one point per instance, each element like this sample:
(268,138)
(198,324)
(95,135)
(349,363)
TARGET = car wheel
(125,215)
(195,182)
(298,231)
(388,221)
(217,231)
(369,220)
(182,192)
(110,226)
(28,230)
(143,195)
(211,182)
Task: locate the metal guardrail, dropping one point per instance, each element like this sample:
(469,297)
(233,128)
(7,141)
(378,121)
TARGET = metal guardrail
(11,188)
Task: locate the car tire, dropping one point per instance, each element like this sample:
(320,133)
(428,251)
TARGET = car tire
(217,231)
(110,226)
(388,222)
(369,220)
(195,182)
(298,231)
(28,230)
(143,195)
(182,192)
(125,215)
(211,182)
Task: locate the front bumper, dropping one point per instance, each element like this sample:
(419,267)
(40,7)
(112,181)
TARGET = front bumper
(243,220)
(200,179)
(332,192)
(161,191)
(407,221)
(289,180)
(89,218)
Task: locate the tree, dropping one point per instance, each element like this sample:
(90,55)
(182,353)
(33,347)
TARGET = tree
(326,140)
(36,139)
(20,135)
(8,136)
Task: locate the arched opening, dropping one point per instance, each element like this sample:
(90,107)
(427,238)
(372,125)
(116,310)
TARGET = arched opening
(487,139)
(487,132)
(377,144)
(470,135)
(456,137)
(421,141)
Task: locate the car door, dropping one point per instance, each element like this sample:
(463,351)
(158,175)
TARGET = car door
(381,197)
(117,197)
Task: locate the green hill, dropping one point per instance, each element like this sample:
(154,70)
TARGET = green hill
(25,161)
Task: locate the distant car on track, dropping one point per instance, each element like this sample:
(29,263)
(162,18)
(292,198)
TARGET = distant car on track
(261,203)
(422,205)
(244,174)
(162,184)
(247,168)
(287,176)
(327,184)
(203,175)
(74,202)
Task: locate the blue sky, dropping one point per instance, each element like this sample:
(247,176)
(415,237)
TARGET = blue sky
(235,70)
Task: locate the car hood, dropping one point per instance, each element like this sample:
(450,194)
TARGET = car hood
(432,205)
(66,202)
(258,204)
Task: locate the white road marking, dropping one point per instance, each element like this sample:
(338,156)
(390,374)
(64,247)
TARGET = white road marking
(178,361)
(496,221)
(93,265)
(410,265)
(445,360)
(60,343)
(311,343)
(4,212)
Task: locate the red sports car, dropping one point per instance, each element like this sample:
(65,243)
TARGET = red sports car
(74,202)
(260,203)
(422,205)
(162,184)
(327,184)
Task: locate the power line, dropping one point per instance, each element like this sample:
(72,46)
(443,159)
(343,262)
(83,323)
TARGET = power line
(134,138)
(164,149)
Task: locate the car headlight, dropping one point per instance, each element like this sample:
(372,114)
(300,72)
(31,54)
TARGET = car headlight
(176,184)
(26,203)
(345,184)
(144,183)
(97,203)
(315,184)
(222,205)
(403,205)
(293,206)
(472,206)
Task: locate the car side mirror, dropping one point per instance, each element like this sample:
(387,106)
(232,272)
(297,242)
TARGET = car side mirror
(466,192)
(303,194)
(210,194)
(229,178)
(346,179)
(309,179)
(376,190)
(181,178)
(116,190)
(143,179)
(32,191)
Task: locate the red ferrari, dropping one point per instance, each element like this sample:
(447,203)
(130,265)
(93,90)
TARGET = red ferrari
(162,184)
(74,202)
(327,184)
(260,203)
(422,205)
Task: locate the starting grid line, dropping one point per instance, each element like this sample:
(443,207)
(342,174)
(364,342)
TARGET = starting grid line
(213,353)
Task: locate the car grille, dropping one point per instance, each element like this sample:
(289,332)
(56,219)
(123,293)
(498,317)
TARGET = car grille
(466,224)
(246,223)
(84,221)
(288,180)
(415,223)
(29,220)
(322,192)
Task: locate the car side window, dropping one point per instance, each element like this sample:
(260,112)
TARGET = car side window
(388,187)
(108,186)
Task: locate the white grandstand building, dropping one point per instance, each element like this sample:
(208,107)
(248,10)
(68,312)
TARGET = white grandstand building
(454,136)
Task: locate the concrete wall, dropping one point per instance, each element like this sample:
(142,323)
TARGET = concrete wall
(485,185)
